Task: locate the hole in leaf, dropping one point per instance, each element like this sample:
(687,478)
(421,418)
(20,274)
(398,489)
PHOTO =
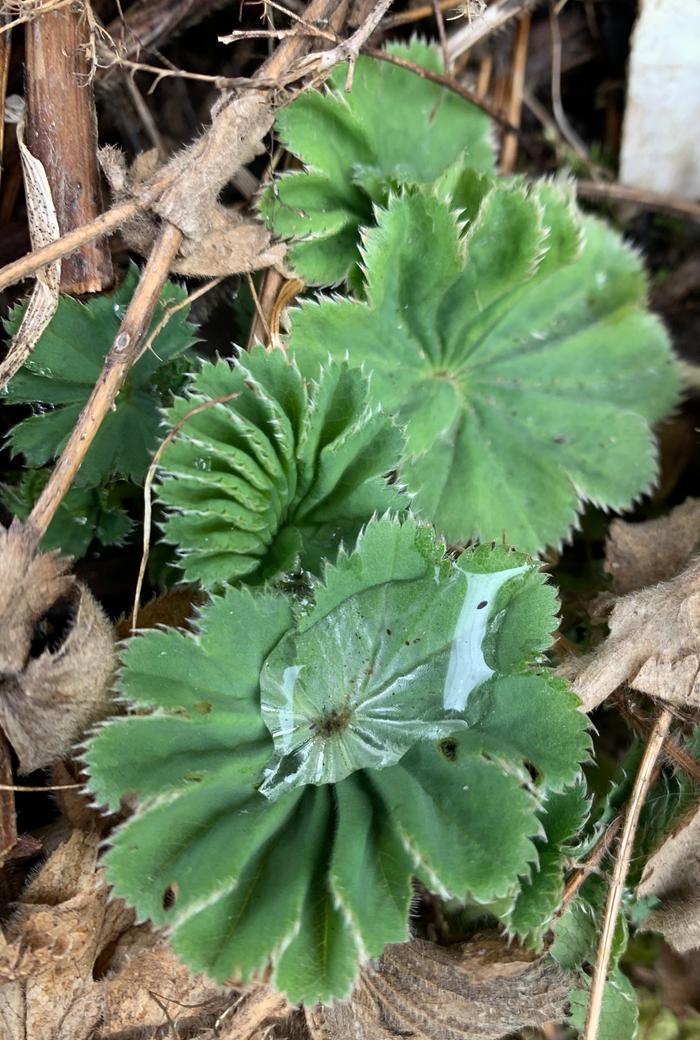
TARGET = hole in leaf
(449,749)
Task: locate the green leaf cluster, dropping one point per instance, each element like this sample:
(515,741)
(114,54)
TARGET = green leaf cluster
(391,128)
(275,470)
(300,763)
(57,380)
(83,515)
(509,334)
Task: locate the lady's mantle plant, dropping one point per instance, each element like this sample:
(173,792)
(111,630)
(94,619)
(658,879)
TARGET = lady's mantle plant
(509,334)
(301,763)
(392,128)
(277,471)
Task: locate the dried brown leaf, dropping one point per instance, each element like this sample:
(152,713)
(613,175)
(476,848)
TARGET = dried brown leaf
(48,950)
(74,966)
(653,646)
(672,874)
(637,555)
(57,655)
(480,990)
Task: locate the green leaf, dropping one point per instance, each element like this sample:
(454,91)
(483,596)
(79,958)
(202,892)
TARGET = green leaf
(412,637)
(353,148)
(468,823)
(299,767)
(64,367)
(279,475)
(619,1019)
(577,931)
(563,815)
(522,360)
(83,515)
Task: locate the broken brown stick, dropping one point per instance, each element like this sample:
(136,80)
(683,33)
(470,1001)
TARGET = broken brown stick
(62,135)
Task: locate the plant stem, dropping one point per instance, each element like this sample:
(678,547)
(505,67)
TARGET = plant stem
(642,784)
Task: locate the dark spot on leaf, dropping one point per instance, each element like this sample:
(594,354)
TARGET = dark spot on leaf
(170,896)
(560,439)
(333,721)
(449,749)
(484,603)
(203,707)
(388,631)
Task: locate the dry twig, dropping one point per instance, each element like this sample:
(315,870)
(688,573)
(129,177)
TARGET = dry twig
(682,209)
(148,484)
(509,151)
(642,784)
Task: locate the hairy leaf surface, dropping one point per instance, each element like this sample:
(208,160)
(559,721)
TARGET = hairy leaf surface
(299,766)
(63,369)
(355,144)
(518,353)
(277,476)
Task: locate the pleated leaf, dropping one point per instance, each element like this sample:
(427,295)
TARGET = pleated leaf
(277,472)
(518,352)
(299,767)
(357,144)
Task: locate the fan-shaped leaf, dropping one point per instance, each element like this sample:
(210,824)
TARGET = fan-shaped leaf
(277,475)
(519,354)
(299,769)
(356,144)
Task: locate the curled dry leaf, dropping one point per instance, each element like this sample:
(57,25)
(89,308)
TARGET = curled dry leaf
(480,990)
(73,966)
(218,240)
(43,229)
(57,654)
(672,874)
(644,554)
(653,646)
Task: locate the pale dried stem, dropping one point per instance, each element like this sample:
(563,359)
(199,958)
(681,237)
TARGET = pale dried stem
(416,14)
(147,486)
(260,329)
(5,46)
(583,872)
(66,244)
(642,783)
(495,17)
(613,192)
(124,353)
(565,127)
(447,63)
(444,81)
(8,820)
(509,152)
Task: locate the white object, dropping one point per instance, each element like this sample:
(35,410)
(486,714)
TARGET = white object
(661,132)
